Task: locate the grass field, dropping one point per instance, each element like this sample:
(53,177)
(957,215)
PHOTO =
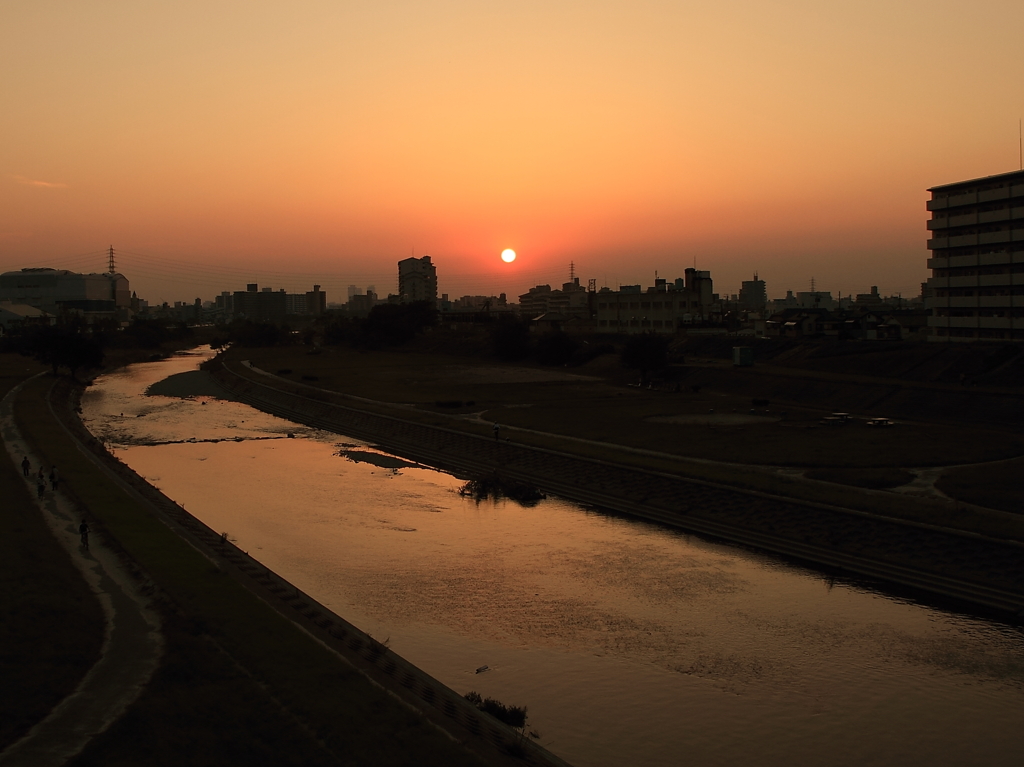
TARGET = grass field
(594,402)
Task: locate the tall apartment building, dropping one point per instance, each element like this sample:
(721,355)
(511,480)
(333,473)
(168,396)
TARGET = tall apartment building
(417,280)
(977,259)
(753,294)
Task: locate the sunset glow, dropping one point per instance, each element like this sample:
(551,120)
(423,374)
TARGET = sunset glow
(325,143)
(508,255)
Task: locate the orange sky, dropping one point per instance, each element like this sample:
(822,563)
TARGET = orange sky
(217,143)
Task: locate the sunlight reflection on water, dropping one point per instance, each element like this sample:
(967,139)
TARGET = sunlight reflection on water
(629,643)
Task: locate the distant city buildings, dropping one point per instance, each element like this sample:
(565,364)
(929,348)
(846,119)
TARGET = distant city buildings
(268,305)
(359,303)
(976,291)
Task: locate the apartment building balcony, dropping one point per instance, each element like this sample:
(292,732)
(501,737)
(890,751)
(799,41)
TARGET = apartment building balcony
(974,302)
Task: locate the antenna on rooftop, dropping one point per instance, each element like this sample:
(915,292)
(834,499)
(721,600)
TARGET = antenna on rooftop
(1020,146)
(572,271)
(110,260)
(812,284)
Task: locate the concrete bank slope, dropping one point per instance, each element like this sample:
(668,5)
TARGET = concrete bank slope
(482,735)
(982,571)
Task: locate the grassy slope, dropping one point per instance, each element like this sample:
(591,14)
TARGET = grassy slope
(241,682)
(51,626)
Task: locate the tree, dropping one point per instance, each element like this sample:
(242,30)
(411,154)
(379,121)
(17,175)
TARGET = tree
(555,348)
(510,339)
(397,324)
(645,352)
(68,347)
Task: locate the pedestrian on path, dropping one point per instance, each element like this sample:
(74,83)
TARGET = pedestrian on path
(40,485)
(83,531)
(497,431)
(54,479)
(25,466)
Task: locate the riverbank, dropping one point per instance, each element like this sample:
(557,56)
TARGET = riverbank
(979,569)
(255,670)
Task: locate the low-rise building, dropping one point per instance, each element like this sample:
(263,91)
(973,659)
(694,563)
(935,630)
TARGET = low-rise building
(15,317)
(572,300)
(59,291)
(665,307)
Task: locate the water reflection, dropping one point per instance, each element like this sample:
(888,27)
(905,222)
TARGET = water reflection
(628,643)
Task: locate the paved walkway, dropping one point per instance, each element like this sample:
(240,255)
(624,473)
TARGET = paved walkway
(132,644)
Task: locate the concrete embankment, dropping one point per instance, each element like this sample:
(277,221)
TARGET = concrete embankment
(482,735)
(982,571)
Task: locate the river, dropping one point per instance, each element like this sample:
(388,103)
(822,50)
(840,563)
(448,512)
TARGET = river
(629,643)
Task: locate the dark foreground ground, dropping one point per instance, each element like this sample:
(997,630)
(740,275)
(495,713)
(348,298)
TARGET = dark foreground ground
(239,683)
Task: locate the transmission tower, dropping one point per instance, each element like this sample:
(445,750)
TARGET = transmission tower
(110,260)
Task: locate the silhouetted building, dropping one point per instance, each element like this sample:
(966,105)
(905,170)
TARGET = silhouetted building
(260,305)
(571,301)
(417,280)
(753,294)
(977,259)
(359,305)
(664,308)
(58,291)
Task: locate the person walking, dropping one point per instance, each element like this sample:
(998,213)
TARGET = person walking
(497,431)
(54,479)
(40,485)
(83,531)
(25,466)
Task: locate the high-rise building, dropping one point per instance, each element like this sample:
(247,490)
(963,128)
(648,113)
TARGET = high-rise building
(977,259)
(417,280)
(753,294)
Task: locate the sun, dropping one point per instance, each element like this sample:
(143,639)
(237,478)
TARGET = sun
(508,255)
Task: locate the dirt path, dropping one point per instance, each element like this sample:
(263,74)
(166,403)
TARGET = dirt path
(132,643)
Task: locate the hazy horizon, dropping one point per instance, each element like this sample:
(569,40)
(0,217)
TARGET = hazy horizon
(215,145)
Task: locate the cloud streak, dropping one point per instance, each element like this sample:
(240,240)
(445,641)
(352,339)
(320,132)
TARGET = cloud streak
(44,184)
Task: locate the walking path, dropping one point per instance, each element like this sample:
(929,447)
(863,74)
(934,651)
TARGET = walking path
(132,644)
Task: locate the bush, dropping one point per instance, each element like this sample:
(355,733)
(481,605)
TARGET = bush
(645,352)
(513,716)
(510,339)
(555,348)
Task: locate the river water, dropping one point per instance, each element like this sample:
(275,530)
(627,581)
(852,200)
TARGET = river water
(629,643)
